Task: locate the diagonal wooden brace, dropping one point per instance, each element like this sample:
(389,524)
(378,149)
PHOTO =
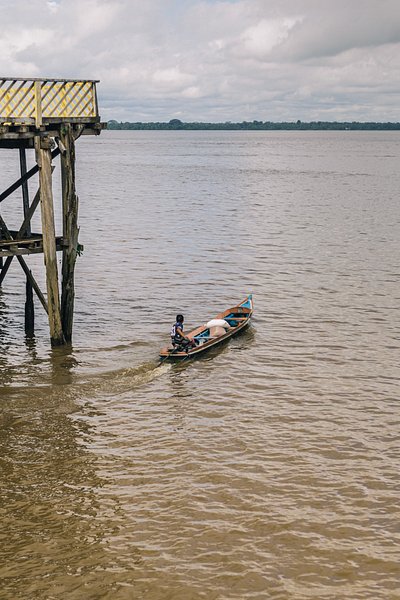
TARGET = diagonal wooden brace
(24,266)
(20,234)
(24,178)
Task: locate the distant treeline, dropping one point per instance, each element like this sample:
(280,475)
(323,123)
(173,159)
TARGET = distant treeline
(176,124)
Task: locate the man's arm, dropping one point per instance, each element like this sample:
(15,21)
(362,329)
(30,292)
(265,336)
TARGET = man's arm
(179,331)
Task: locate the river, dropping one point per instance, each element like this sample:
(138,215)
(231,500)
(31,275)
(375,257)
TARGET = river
(269,469)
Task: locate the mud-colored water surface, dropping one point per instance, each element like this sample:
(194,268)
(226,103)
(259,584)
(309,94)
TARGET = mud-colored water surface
(269,469)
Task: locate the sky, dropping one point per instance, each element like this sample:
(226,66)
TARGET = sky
(214,60)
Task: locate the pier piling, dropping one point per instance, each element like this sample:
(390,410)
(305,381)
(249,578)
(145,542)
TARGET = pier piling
(29,306)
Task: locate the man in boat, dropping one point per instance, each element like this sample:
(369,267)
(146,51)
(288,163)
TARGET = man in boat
(178,338)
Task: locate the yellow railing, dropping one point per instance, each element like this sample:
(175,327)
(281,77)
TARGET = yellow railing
(38,101)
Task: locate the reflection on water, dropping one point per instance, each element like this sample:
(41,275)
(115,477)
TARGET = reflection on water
(49,504)
(269,467)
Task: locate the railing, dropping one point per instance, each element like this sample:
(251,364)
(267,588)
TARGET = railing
(40,101)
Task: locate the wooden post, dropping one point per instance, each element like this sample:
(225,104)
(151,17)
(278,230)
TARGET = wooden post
(4,268)
(70,228)
(1,262)
(29,311)
(29,307)
(38,103)
(43,159)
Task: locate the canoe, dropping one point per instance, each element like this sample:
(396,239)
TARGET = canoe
(223,326)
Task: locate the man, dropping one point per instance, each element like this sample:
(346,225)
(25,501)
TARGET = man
(178,338)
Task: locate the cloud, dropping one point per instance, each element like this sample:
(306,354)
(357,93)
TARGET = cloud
(347,25)
(258,40)
(214,60)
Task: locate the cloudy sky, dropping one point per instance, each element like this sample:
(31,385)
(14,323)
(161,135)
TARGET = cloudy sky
(214,60)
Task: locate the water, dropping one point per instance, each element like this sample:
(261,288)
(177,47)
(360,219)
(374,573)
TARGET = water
(269,468)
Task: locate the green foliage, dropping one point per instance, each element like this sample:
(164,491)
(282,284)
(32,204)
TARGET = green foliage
(176,124)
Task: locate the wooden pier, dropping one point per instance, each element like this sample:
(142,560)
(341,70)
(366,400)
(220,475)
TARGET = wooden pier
(47,116)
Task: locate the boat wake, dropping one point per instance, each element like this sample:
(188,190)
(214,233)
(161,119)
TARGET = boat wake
(113,383)
(108,384)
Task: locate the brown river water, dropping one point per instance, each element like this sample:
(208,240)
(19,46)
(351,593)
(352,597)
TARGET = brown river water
(269,469)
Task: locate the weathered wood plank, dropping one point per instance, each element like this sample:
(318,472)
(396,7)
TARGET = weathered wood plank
(18,239)
(24,186)
(23,251)
(70,228)
(29,306)
(38,102)
(13,241)
(43,159)
(12,79)
(29,310)
(33,245)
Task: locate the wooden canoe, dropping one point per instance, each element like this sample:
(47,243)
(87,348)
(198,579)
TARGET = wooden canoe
(237,317)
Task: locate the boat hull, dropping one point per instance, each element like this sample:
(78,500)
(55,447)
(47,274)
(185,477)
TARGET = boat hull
(238,317)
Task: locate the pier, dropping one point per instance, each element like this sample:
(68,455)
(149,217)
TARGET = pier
(47,116)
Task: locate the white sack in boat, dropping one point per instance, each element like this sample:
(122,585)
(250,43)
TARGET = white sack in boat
(218,323)
(217,331)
